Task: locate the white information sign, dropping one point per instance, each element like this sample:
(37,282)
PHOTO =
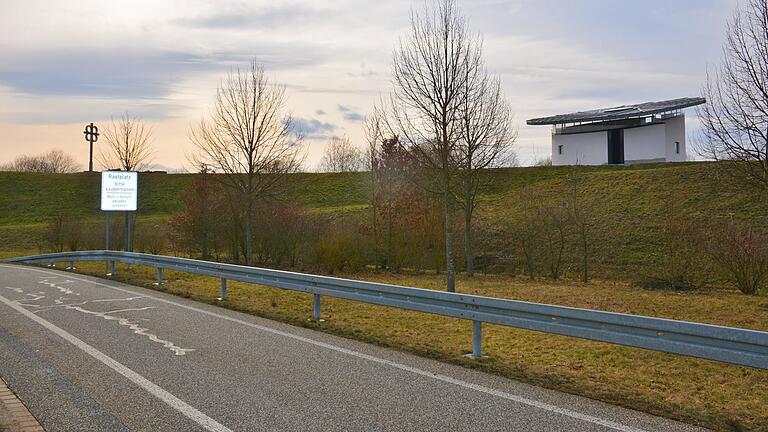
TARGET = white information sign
(119,190)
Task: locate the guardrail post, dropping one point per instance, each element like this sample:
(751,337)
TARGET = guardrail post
(477,339)
(316,307)
(223,293)
(112,271)
(71,265)
(159,276)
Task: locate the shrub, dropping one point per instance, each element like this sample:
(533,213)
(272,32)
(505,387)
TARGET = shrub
(742,252)
(680,262)
(283,231)
(63,232)
(54,232)
(151,238)
(343,248)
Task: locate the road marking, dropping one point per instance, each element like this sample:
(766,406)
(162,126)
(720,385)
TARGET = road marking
(436,376)
(155,390)
(132,324)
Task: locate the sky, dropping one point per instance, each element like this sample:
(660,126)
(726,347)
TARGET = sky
(66,63)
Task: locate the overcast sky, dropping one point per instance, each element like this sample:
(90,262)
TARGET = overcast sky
(67,63)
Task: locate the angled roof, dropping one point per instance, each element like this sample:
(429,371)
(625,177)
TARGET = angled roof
(620,112)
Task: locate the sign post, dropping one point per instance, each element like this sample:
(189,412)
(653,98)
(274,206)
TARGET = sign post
(91,133)
(119,192)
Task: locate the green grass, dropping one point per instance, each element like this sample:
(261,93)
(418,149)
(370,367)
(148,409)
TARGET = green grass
(28,198)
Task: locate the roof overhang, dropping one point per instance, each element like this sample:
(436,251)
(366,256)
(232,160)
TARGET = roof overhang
(620,112)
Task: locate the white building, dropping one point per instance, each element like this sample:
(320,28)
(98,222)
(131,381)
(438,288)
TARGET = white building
(629,134)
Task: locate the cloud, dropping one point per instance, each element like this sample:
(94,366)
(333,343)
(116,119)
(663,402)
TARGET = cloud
(320,112)
(312,129)
(70,85)
(64,109)
(103,73)
(138,72)
(348,113)
(353,116)
(244,17)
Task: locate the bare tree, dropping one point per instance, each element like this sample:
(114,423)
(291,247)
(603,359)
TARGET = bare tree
(249,139)
(430,69)
(373,129)
(55,161)
(581,211)
(735,122)
(486,142)
(342,156)
(129,144)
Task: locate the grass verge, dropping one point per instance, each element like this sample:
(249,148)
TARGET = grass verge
(710,394)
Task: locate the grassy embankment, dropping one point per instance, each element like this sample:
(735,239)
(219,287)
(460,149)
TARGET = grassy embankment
(711,394)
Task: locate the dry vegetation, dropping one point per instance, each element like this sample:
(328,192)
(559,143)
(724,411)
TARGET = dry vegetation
(710,394)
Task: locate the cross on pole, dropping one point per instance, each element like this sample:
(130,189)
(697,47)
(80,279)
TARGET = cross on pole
(91,133)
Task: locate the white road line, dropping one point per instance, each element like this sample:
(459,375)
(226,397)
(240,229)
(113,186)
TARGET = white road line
(155,390)
(439,377)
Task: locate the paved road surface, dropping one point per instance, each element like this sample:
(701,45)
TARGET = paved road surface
(94,355)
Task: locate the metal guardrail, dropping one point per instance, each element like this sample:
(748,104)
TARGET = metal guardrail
(725,344)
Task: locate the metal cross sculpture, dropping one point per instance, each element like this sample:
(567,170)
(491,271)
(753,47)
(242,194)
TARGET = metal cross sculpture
(91,135)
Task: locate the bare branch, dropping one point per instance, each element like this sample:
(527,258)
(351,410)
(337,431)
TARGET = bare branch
(129,143)
(249,138)
(431,67)
(735,122)
(342,156)
(55,161)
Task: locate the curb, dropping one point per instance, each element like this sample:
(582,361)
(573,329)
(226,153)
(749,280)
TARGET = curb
(14,416)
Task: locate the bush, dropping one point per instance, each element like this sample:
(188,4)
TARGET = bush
(54,232)
(282,233)
(151,238)
(742,253)
(63,232)
(343,248)
(680,263)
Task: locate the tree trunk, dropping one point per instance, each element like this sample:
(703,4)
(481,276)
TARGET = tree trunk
(448,210)
(585,255)
(374,221)
(248,233)
(468,241)
(205,246)
(388,264)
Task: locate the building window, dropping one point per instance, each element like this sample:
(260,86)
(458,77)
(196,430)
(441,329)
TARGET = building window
(560,149)
(677,147)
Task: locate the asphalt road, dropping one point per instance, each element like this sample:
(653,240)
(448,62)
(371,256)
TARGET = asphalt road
(88,354)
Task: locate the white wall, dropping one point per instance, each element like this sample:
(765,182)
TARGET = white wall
(581,149)
(655,142)
(676,132)
(645,143)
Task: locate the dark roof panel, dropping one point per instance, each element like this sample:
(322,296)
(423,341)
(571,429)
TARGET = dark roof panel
(620,112)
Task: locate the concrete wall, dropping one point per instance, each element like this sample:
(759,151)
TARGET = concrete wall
(581,149)
(675,131)
(645,144)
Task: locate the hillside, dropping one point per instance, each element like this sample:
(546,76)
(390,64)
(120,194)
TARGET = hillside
(29,198)
(633,204)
